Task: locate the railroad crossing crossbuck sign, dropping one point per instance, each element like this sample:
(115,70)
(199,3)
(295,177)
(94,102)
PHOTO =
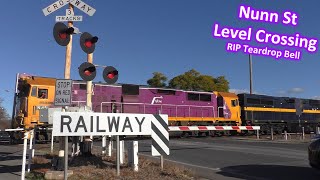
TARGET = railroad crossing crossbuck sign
(70,15)
(114,124)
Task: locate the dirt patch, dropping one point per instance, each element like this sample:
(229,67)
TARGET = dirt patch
(104,167)
(40,160)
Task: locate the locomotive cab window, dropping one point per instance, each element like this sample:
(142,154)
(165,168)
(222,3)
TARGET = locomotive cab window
(205,97)
(234,103)
(43,93)
(34,91)
(166,92)
(193,97)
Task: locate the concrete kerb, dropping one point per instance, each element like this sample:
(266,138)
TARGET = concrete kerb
(57,174)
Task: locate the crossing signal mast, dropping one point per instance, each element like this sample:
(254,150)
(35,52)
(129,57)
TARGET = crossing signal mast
(87,72)
(63,36)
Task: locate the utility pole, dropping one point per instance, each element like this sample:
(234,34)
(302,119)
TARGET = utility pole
(250,69)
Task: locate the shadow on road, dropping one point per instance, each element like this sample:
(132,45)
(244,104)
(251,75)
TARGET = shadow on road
(5,153)
(174,149)
(10,169)
(273,172)
(8,158)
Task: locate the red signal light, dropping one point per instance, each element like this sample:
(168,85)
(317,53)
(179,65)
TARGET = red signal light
(87,72)
(110,74)
(63,35)
(88,44)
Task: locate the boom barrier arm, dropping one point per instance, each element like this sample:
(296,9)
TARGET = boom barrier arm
(212,128)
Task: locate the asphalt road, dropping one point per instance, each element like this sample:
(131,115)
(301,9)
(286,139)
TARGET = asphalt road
(223,158)
(228,159)
(10,161)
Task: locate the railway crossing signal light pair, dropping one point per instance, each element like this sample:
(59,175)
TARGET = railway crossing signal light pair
(87,72)
(62,32)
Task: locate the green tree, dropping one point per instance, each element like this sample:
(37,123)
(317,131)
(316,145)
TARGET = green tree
(186,81)
(4,117)
(206,83)
(221,84)
(158,80)
(194,81)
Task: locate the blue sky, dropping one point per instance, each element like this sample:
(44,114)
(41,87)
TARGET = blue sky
(170,36)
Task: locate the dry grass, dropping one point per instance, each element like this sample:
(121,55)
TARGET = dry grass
(97,167)
(40,165)
(40,160)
